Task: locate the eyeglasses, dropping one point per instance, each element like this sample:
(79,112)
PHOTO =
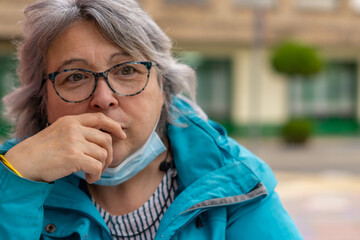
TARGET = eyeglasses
(125,79)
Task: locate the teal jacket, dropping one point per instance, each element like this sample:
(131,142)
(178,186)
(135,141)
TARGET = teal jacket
(225,192)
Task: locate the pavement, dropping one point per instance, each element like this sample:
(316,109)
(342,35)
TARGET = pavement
(319,184)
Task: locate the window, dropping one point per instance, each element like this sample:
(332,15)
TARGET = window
(214,88)
(329,97)
(213,84)
(317,5)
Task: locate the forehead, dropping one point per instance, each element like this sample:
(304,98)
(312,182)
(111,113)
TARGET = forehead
(83,40)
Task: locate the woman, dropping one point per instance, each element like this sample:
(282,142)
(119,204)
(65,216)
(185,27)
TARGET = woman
(106,148)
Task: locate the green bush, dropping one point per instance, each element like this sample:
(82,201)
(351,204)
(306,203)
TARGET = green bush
(297,131)
(292,58)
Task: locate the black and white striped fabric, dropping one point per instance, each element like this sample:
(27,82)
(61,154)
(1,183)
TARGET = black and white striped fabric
(143,222)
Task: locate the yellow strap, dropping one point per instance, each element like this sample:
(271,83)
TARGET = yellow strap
(6,163)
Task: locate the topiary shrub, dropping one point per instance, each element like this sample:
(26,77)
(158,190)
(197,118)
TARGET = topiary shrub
(297,131)
(293,58)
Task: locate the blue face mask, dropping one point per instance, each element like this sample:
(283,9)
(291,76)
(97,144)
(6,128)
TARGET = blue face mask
(133,164)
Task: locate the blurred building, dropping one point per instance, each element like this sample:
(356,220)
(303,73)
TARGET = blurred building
(229,43)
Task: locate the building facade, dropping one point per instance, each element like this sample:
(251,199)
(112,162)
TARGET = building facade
(230,43)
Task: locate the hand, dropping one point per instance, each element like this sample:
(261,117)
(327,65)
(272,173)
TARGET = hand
(70,144)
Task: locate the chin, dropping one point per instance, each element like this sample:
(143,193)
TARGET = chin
(113,165)
(116,160)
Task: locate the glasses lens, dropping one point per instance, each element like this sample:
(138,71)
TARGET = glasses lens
(74,85)
(129,78)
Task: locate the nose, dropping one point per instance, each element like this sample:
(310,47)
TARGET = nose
(103,97)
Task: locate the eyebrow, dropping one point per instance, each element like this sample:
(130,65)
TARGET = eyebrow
(119,54)
(70,61)
(73,60)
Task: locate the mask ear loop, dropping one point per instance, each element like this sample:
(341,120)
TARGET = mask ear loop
(166,165)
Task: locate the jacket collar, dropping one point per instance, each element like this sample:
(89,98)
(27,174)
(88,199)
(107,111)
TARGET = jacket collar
(195,140)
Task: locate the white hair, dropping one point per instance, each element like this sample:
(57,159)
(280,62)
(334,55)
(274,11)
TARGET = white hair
(122,21)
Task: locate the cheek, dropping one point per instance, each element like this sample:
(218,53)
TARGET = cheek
(150,105)
(57,108)
(146,105)
(52,108)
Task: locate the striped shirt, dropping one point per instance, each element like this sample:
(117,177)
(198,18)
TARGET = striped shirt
(143,222)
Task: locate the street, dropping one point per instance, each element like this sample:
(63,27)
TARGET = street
(319,184)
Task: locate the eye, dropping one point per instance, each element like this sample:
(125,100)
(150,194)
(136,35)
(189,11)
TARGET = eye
(126,70)
(76,77)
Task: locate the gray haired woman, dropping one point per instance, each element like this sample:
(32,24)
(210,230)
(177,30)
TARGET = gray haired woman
(106,147)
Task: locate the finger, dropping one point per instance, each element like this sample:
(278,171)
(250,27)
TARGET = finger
(102,141)
(91,167)
(102,122)
(96,152)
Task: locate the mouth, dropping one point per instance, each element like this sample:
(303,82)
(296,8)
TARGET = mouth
(113,136)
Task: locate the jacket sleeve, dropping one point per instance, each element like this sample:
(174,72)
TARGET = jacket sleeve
(21,206)
(266,220)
